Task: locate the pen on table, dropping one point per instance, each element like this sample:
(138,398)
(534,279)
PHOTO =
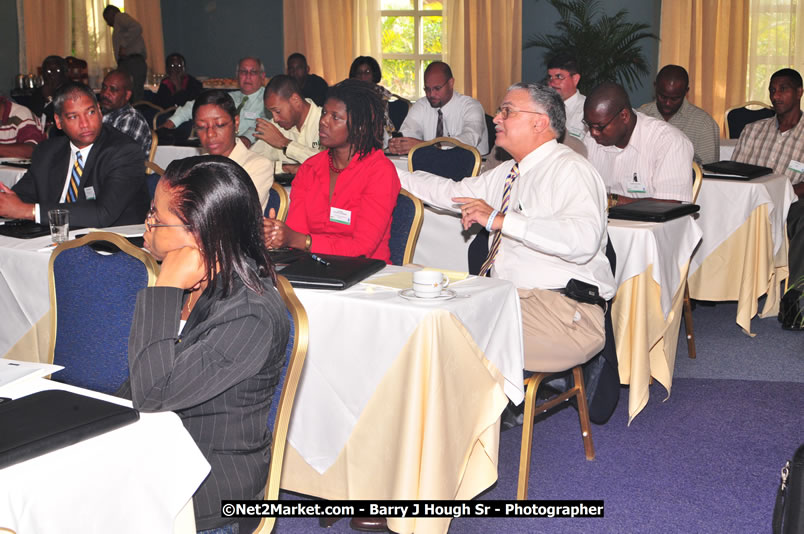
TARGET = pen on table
(320,260)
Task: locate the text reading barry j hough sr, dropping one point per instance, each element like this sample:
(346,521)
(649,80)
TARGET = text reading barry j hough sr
(319,508)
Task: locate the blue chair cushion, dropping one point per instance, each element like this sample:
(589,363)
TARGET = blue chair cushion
(401,222)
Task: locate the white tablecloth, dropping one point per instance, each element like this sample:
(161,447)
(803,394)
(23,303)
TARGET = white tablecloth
(133,479)
(356,334)
(167,153)
(10,175)
(23,282)
(726,204)
(727,147)
(666,246)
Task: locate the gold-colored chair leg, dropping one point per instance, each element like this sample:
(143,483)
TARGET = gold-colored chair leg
(583,413)
(688,321)
(531,387)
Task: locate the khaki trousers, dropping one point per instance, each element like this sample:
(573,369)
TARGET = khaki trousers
(559,333)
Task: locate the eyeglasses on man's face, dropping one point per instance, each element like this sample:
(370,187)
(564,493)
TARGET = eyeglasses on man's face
(600,127)
(505,111)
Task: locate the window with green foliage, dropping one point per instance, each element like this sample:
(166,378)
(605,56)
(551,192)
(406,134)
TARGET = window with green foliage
(773,43)
(411,39)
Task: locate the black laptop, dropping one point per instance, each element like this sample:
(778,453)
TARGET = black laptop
(329,271)
(22,229)
(49,420)
(734,170)
(652,211)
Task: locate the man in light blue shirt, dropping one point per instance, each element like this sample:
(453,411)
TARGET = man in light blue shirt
(249,100)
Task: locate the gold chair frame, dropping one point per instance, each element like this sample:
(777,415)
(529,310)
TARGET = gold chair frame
(154,145)
(447,141)
(291,384)
(116,239)
(284,202)
(687,305)
(151,168)
(754,103)
(415,227)
(160,113)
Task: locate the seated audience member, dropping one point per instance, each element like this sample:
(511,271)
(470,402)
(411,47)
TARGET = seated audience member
(54,75)
(342,199)
(366,68)
(215,353)
(778,143)
(563,76)
(637,156)
(444,113)
(672,85)
(177,87)
(20,131)
(290,136)
(118,113)
(216,120)
(312,86)
(249,100)
(546,211)
(94,171)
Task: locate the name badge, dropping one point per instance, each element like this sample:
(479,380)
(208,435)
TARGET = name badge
(635,186)
(796,166)
(340,216)
(89,192)
(249,115)
(578,134)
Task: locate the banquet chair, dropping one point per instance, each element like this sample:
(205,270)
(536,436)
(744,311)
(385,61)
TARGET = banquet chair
(697,174)
(406,223)
(739,116)
(398,110)
(154,145)
(455,163)
(578,391)
(92,298)
(278,200)
(147,109)
(153,173)
(282,402)
(165,114)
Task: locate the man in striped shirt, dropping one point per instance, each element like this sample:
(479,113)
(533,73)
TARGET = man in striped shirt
(20,131)
(778,142)
(119,114)
(638,156)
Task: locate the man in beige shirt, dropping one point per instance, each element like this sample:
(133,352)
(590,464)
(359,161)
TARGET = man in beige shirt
(672,85)
(290,136)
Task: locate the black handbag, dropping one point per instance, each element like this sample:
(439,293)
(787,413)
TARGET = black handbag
(788,513)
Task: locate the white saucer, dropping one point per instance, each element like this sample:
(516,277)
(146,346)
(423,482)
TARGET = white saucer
(446,294)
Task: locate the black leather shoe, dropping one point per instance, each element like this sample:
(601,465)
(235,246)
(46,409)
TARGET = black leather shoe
(369,524)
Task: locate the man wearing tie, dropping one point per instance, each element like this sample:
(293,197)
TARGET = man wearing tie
(546,211)
(444,113)
(94,171)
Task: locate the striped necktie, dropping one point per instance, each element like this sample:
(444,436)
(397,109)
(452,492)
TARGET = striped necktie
(495,243)
(440,124)
(75,178)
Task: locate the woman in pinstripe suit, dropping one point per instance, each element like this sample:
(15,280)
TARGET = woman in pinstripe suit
(208,341)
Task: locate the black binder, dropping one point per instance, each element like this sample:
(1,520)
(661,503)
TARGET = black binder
(22,229)
(342,271)
(652,211)
(50,420)
(734,170)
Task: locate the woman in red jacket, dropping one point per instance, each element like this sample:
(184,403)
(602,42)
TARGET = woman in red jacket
(342,198)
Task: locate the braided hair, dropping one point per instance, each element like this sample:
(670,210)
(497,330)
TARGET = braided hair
(365,112)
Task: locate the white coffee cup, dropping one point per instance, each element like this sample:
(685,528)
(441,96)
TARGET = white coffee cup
(428,284)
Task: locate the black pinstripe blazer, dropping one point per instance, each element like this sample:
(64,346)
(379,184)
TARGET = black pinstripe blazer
(218,376)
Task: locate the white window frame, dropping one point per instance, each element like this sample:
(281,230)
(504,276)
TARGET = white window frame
(417,56)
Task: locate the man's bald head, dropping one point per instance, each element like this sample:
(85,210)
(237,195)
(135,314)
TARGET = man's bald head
(608,116)
(675,74)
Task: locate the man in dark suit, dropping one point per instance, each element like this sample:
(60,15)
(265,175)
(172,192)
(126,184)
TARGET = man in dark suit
(95,172)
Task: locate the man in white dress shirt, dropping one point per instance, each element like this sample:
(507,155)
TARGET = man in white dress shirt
(563,76)
(549,229)
(637,156)
(444,113)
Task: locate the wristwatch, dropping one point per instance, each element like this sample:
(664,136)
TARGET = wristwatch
(285,149)
(308,242)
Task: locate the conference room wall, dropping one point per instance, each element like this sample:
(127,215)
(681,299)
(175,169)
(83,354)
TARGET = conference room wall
(9,45)
(539,17)
(214,34)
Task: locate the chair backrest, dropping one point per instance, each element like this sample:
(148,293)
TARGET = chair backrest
(398,110)
(697,180)
(278,200)
(154,144)
(92,298)
(738,117)
(162,116)
(456,163)
(148,109)
(153,173)
(283,399)
(406,223)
